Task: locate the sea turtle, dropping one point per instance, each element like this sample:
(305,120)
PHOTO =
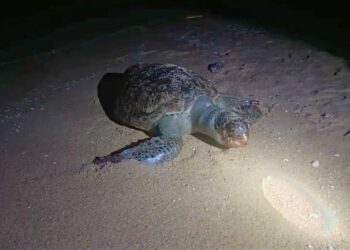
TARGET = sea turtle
(167,102)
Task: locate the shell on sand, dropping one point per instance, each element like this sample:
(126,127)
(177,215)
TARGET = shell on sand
(294,205)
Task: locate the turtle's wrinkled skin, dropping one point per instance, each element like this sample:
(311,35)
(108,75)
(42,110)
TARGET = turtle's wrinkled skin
(169,101)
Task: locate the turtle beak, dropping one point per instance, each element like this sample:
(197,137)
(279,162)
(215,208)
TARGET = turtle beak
(236,141)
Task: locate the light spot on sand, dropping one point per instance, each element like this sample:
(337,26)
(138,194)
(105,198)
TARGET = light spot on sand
(296,205)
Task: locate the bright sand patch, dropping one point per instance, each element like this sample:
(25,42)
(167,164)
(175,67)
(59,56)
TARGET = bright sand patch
(295,205)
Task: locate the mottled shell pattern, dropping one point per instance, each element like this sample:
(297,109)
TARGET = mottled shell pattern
(150,91)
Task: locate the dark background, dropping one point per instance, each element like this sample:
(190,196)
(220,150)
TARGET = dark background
(323,24)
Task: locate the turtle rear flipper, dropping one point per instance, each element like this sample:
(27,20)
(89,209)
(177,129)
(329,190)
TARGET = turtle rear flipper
(154,150)
(247,108)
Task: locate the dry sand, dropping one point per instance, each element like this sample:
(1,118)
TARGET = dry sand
(205,198)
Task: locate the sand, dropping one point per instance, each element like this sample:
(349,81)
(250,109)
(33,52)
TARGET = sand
(206,197)
(296,206)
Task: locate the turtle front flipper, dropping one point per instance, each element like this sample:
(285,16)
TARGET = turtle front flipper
(154,150)
(247,108)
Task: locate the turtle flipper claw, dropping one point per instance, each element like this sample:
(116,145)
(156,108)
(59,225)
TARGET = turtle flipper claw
(101,161)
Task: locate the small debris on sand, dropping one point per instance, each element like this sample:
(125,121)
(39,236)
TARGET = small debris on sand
(215,67)
(224,53)
(194,17)
(315,163)
(336,71)
(347,133)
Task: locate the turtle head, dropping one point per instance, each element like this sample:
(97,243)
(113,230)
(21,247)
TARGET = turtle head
(232,131)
